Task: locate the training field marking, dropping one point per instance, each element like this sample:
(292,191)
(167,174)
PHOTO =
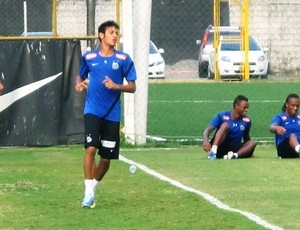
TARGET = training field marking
(212,101)
(206,196)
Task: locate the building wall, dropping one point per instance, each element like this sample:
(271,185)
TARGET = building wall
(72,15)
(275,23)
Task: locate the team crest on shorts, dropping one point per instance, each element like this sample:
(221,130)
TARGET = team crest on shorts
(89,138)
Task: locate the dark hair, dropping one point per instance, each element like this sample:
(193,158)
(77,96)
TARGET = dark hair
(292,95)
(238,99)
(105,25)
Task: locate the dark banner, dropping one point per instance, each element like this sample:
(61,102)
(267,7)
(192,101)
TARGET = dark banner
(39,106)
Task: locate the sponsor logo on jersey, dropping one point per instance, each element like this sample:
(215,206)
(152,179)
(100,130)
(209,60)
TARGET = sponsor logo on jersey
(121,56)
(284,117)
(91,56)
(246,119)
(225,117)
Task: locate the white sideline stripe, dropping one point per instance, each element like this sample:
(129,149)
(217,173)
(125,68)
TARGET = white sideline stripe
(206,196)
(214,101)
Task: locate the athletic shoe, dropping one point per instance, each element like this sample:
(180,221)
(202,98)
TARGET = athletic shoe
(234,156)
(212,155)
(88,202)
(230,155)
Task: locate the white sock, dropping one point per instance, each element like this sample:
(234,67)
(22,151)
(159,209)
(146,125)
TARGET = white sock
(214,148)
(95,185)
(88,183)
(297,148)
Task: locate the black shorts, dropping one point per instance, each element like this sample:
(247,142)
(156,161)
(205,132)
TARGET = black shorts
(284,150)
(227,146)
(102,134)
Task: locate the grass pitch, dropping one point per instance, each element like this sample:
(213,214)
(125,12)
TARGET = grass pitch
(42,188)
(181,111)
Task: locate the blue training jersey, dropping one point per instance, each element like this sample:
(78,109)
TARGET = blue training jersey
(238,128)
(95,67)
(291,125)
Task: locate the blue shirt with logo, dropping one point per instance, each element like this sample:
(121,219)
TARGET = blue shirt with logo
(291,125)
(95,67)
(239,128)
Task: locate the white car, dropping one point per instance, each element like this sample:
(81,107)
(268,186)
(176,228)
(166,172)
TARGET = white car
(207,45)
(230,59)
(156,62)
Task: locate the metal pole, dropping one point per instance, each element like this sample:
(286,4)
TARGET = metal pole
(127,36)
(54,18)
(118,19)
(216,37)
(25,18)
(246,38)
(91,9)
(142,25)
(118,11)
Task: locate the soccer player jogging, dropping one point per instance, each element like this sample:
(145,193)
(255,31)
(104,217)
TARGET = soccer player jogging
(232,136)
(286,127)
(102,73)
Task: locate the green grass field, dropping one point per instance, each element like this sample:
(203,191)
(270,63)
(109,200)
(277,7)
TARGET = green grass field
(183,110)
(41,188)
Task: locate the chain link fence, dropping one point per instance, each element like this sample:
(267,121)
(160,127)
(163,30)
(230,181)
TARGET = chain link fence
(175,27)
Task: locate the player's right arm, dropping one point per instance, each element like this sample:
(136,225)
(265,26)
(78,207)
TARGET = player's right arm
(80,84)
(81,80)
(206,133)
(275,128)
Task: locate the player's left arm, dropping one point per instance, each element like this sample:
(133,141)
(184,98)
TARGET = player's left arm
(246,135)
(130,87)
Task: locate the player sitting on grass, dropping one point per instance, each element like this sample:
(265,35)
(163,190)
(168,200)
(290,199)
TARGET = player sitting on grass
(286,126)
(232,136)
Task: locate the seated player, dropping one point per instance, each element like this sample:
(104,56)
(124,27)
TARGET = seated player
(286,127)
(231,139)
